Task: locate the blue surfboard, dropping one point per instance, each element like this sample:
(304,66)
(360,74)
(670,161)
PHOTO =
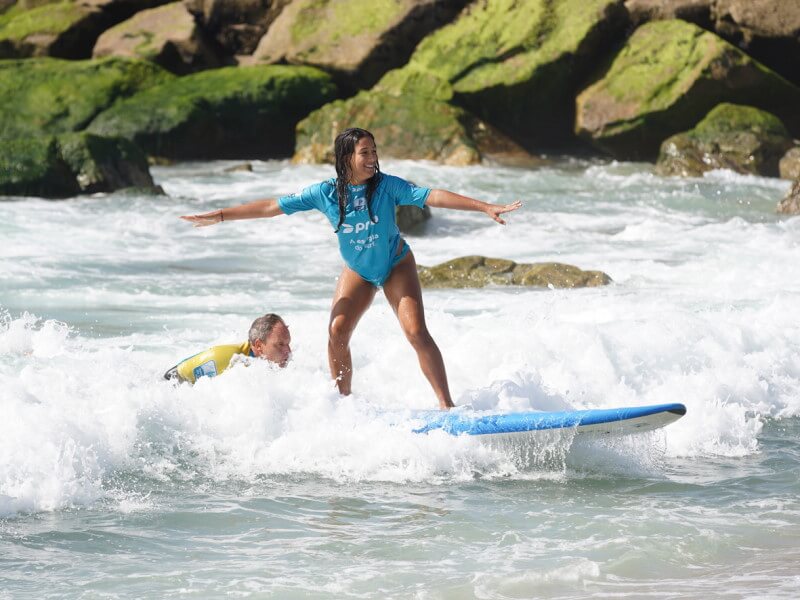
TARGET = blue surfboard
(618,421)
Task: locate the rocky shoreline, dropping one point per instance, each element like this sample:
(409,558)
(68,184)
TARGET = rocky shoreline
(689,84)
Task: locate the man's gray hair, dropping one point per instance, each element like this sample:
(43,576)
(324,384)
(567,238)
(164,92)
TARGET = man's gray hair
(262,327)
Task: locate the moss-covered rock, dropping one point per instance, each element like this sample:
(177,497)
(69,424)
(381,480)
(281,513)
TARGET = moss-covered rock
(34,167)
(741,138)
(766,30)
(412,127)
(665,79)
(61,28)
(517,64)
(356,45)
(69,164)
(479,271)
(34,32)
(102,164)
(48,96)
(498,79)
(166,35)
(223,113)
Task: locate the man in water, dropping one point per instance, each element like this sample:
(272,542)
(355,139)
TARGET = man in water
(268,338)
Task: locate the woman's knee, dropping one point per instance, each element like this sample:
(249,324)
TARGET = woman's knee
(340,330)
(418,336)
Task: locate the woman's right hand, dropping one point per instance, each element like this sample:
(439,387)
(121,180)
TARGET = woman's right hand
(209,218)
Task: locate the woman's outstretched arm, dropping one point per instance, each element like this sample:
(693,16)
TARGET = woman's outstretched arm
(252,210)
(445,199)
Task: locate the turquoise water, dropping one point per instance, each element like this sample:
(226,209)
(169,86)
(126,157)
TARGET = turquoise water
(264,483)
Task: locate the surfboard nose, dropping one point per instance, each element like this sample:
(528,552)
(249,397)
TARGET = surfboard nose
(679,410)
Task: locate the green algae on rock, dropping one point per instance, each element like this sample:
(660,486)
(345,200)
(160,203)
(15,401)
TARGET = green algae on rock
(34,167)
(517,64)
(412,127)
(103,164)
(497,79)
(49,95)
(40,30)
(480,271)
(70,164)
(741,138)
(665,79)
(222,113)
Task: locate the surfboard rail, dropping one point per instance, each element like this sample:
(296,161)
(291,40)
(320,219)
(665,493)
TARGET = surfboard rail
(596,421)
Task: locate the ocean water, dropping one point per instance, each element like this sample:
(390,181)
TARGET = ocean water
(264,483)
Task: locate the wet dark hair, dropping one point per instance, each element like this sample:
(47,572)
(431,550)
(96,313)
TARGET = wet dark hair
(343,148)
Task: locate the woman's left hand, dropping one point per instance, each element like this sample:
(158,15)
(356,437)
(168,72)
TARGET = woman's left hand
(495,210)
(209,218)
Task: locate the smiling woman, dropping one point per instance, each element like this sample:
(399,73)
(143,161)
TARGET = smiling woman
(360,204)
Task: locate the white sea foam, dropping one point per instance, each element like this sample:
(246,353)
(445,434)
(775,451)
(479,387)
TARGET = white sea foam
(97,405)
(701,311)
(534,584)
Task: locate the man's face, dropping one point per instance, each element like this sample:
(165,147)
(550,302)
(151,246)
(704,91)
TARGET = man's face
(277,347)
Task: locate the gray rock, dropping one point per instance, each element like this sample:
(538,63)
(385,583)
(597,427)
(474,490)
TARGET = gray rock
(355,46)
(789,165)
(693,11)
(790,205)
(235,25)
(768,30)
(240,168)
(166,35)
(410,217)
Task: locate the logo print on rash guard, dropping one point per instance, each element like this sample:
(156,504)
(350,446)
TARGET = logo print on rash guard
(358,227)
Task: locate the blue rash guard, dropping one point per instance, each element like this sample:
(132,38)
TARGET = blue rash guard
(369,248)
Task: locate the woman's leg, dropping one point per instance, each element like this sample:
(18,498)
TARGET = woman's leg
(352,298)
(403,292)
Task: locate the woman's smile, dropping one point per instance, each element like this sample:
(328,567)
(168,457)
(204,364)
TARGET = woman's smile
(364,162)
